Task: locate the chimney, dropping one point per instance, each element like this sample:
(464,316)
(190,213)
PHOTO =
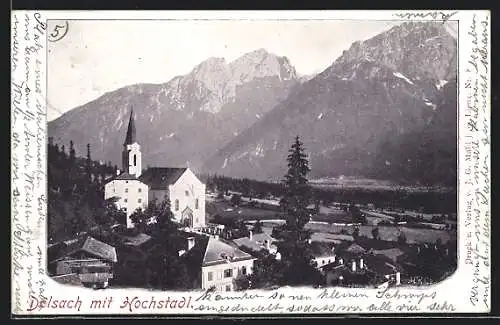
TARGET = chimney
(190,243)
(118,172)
(398,278)
(361,264)
(353,266)
(250,234)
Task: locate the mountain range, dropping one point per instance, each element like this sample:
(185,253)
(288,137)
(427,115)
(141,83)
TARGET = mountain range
(185,120)
(385,109)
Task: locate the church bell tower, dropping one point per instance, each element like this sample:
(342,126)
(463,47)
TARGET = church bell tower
(131,157)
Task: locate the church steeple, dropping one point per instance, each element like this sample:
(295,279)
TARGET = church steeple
(130,137)
(131,156)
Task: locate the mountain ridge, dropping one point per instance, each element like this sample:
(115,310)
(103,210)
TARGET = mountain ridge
(171,115)
(377,89)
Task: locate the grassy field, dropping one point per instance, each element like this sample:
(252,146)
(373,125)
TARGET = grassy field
(413,235)
(322,224)
(226,210)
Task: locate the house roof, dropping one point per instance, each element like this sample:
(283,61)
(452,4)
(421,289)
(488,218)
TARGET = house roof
(136,240)
(392,253)
(217,251)
(159,178)
(94,247)
(257,243)
(379,265)
(321,249)
(355,249)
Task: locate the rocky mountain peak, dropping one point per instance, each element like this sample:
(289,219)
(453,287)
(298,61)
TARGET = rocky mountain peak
(381,97)
(419,50)
(263,64)
(210,65)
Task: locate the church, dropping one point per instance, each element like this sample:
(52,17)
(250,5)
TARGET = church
(134,187)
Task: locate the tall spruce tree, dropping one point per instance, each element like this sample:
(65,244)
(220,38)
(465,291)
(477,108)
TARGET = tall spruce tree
(88,164)
(72,154)
(297,194)
(295,249)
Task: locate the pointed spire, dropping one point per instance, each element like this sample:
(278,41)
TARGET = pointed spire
(130,138)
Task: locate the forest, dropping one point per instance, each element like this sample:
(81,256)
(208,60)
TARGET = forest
(424,201)
(76,193)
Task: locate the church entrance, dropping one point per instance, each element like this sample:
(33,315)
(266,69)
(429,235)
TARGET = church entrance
(187,218)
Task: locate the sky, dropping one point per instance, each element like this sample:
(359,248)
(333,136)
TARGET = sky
(98,56)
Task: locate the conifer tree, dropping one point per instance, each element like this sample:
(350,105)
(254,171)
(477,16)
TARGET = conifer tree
(72,154)
(88,165)
(297,194)
(295,248)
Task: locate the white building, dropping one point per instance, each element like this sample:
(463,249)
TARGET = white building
(134,188)
(185,191)
(323,253)
(223,264)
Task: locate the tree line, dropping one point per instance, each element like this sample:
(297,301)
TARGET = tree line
(76,192)
(397,198)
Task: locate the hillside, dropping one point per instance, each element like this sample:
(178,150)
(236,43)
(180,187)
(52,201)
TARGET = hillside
(186,119)
(386,109)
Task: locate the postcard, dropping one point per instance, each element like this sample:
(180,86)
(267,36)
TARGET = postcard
(258,163)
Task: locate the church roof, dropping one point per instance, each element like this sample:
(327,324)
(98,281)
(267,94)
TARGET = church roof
(130,137)
(159,178)
(126,176)
(122,177)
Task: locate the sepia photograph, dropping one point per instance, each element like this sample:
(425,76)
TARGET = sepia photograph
(230,155)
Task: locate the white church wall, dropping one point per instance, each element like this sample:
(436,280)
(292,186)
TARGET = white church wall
(131,194)
(186,191)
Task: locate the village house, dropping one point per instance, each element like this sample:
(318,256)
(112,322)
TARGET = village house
(87,258)
(356,266)
(217,263)
(257,242)
(134,188)
(323,253)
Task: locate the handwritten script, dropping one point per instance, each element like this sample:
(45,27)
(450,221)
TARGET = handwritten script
(477,163)
(28,163)
(33,292)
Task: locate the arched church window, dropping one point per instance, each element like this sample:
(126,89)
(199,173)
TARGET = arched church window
(176,205)
(135,160)
(196,204)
